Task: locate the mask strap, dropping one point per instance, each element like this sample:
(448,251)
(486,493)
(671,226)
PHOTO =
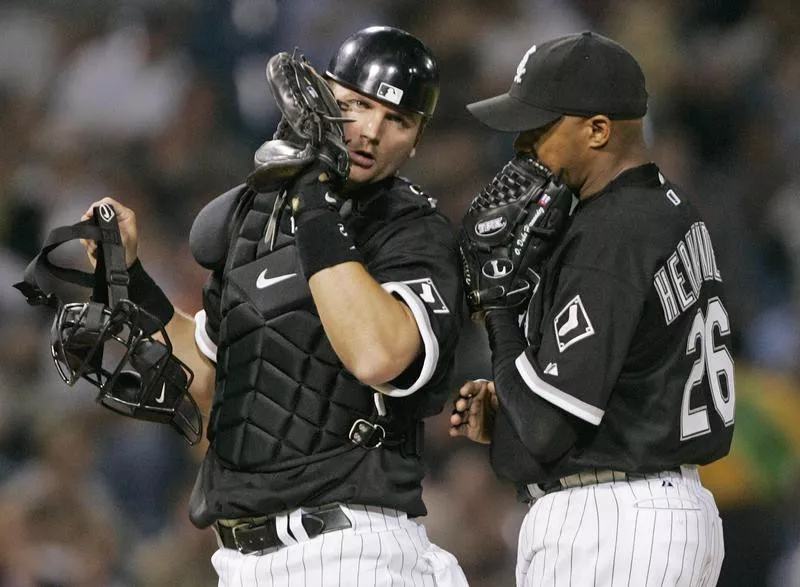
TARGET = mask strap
(110,272)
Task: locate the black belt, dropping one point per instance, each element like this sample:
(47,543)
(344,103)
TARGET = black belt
(257,535)
(533,491)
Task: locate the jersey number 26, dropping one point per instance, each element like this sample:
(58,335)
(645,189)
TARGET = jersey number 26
(715,363)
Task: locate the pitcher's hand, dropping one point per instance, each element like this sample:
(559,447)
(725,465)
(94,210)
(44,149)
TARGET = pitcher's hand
(474,411)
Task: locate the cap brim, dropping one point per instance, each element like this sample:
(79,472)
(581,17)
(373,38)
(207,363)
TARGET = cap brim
(509,114)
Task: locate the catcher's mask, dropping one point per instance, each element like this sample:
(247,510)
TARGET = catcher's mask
(109,341)
(390,65)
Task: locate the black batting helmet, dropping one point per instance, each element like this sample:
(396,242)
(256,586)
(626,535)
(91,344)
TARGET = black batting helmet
(389,65)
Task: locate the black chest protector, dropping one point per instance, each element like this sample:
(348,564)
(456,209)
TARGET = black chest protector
(283,398)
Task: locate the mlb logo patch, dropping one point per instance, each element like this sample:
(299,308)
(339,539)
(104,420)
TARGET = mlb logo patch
(572,324)
(390,93)
(428,293)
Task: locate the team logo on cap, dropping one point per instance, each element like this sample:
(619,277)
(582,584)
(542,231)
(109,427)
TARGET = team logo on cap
(521,68)
(390,93)
(572,324)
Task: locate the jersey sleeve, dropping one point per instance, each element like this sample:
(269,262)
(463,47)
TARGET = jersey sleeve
(207,320)
(418,264)
(585,335)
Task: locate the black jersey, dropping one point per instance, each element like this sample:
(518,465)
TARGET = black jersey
(631,332)
(284,404)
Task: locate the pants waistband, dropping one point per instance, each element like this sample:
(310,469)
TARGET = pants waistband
(533,491)
(249,535)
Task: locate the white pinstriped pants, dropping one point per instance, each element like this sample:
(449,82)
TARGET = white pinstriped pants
(662,530)
(382,548)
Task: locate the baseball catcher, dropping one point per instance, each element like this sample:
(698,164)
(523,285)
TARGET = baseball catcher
(328,328)
(329,322)
(510,227)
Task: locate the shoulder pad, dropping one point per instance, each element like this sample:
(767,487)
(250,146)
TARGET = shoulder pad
(209,236)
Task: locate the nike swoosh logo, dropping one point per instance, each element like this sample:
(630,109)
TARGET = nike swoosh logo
(330,199)
(263,281)
(160,398)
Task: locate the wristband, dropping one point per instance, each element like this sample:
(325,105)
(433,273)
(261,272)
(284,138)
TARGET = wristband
(143,291)
(323,242)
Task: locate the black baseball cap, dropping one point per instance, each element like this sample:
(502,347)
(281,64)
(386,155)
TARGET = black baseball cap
(581,74)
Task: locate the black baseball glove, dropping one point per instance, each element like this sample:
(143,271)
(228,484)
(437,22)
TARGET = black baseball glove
(510,227)
(310,129)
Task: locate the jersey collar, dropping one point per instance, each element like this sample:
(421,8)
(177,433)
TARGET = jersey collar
(646,175)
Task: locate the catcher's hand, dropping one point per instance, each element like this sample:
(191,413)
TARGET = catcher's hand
(310,129)
(510,227)
(311,191)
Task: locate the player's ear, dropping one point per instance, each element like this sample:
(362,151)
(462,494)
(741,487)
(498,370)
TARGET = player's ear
(599,131)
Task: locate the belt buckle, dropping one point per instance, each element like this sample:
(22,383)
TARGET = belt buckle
(238,527)
(366,434)
(535,491)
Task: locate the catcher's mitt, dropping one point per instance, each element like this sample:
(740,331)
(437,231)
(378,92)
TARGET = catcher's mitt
(511,225)
(310,128)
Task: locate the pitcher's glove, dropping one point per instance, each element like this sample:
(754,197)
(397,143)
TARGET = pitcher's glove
(509,229)
(310,128)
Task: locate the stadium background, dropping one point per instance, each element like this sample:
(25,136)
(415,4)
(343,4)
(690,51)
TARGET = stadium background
(162,103)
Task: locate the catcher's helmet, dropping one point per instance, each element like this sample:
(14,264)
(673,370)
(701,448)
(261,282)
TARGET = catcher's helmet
(389,65)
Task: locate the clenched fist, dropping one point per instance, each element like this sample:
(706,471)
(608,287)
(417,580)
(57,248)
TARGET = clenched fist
(126,218)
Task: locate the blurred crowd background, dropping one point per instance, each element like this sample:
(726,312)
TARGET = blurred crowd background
(162,103)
